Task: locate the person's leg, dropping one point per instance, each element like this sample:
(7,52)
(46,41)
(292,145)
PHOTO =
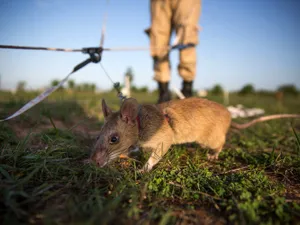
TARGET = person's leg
(159,34)
(186,17)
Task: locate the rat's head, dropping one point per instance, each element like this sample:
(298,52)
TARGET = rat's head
(118,134)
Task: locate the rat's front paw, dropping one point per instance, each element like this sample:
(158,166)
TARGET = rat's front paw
(141,170)
(146,168)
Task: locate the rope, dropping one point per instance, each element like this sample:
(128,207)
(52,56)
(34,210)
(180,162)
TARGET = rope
(84,50)
(40,48)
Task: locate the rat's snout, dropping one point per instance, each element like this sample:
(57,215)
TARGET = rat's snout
(100,158)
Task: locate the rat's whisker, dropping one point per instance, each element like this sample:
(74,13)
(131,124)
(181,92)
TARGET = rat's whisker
(115,155)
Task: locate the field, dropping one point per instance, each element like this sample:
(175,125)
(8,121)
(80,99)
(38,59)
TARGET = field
(45,180)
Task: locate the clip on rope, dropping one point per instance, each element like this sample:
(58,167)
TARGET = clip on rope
(120,94)
(95,57)
(116,85)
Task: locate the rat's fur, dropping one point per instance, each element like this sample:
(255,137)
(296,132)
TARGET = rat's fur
(175,122)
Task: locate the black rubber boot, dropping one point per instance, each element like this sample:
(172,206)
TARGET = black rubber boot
(187,88)
(164,93)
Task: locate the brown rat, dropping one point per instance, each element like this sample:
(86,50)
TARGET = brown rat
(157,127)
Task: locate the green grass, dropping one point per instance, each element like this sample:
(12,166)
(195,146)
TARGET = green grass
(44,179)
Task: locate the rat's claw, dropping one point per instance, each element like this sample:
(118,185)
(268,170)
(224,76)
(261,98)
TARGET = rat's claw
(145,168)
(212,157)
(141,171)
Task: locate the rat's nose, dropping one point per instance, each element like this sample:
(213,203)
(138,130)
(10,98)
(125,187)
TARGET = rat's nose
(99,157)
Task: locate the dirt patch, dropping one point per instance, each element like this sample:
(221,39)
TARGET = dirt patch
(199,216)
(292,186)
(292,193)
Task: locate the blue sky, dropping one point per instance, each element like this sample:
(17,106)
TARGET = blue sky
(242,41)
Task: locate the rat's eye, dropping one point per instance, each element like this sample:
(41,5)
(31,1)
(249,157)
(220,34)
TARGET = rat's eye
(97,138)
(114,140)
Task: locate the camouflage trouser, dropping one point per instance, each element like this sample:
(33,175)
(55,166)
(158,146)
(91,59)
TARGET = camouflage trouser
(182,16)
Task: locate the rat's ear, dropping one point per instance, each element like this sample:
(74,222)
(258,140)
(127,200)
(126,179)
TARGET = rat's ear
(105,109)
(129,110)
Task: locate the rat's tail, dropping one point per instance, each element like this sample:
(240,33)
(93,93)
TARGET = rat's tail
(262,119)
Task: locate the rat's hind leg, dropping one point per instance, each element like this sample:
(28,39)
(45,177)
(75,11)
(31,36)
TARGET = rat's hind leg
(213,154)
(215,146)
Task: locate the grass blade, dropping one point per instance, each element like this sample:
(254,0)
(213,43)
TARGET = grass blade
(298,140)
